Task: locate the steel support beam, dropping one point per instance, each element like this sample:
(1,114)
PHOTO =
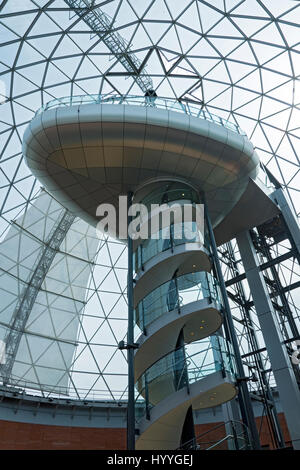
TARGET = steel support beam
(289,217)
(262,267)
(232,422)
(281,364)
(260,350)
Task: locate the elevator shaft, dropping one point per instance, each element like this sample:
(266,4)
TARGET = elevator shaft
(182,363)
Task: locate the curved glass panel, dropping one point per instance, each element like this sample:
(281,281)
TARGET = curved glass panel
(161,103)
(176,293)
(171,232)
(168,192)
(181,368)
(167,238)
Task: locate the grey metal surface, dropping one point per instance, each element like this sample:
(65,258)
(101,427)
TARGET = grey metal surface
(279,196)
(89,154)
(243,217)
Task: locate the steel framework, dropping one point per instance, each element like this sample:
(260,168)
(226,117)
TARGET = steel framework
(102,26)
(268,240)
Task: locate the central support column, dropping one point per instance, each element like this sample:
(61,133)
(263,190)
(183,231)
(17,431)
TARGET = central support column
(181,364)
(130,340)
(281,363)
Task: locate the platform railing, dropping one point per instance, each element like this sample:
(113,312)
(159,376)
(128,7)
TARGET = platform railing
(237,438)
(170,104)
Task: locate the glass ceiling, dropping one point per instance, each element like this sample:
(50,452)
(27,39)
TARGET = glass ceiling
(238,59)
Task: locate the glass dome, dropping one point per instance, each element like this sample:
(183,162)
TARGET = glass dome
(237,59)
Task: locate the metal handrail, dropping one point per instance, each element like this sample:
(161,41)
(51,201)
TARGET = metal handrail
(166,103)
(226,438)
(229,436)
(244,435)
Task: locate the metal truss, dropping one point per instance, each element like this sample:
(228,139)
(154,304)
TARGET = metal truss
(28,297)
(102,26)
(253,361)
(275,247)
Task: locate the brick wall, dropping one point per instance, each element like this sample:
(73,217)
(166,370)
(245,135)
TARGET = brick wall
(36,436)
(16,435)
(264,433)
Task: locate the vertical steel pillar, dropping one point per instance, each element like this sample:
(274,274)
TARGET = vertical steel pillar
(254,345)
(244,397)
(130,339)
(281,363)
(289,217)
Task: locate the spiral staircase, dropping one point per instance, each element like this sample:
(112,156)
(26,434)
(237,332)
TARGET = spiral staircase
(183,362)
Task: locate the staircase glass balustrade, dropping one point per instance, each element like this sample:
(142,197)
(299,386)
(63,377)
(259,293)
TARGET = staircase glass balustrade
(175,294)
(181,368)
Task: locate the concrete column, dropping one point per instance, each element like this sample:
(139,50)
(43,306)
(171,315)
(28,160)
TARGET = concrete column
(289,216)
(281,364)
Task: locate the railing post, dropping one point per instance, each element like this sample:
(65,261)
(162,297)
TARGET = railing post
(221,357)
(177,293)
(186,374)
(130,340)
(235,438)
(143,319)
(147,397)
(140,249)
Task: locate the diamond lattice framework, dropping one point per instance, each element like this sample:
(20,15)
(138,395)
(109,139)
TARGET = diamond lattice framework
(238,58)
